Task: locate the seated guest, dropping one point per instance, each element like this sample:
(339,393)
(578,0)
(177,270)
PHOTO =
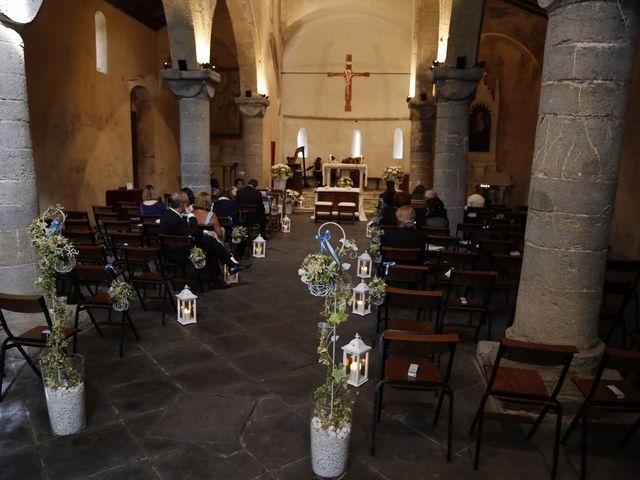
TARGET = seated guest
(215,187)
(237,185)
(151,204)
(436,215)
(206,217)
(476,200)
(191,196)
(250,195)
(407,236)
(176,221)
(387,210)
(418,192)
(225,207)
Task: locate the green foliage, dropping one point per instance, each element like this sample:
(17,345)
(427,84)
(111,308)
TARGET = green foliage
(196,255)
(57,368)
(121,291)
(239,233)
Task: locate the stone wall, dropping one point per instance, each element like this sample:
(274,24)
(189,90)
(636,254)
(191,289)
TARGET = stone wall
(81,118)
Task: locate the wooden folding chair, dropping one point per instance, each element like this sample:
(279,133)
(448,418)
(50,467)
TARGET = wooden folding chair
(144,265)
(34,337)
(100,300)
(469,291)
(421,310)
(397,352)
(404,256)
(447,261)
(598,395)
(413,277)
(525,386)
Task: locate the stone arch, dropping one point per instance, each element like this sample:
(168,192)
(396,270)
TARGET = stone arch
(247,48)
(518,44)
(142,136)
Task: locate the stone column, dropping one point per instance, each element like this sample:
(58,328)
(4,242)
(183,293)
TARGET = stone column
(194,89)
(253,110)
(455,88)
(18,192)
(587,69)
(423,115)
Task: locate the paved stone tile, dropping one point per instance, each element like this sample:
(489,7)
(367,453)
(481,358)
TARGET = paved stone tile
(123,370)
(204,418)
(141,397)
(139,427)
(23,463)
(277,440)
(295,387)
(136,470)
(266,363)
(235,344)
(99,450)
(184,356)
(14,425)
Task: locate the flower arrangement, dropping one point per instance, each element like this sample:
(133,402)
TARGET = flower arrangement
(317,267)
(57,254)
(239,233)
(121,292)
(393,174)
(377,290)
(281,171)
(344,182)
(374,251)
(197,257)
(291,196)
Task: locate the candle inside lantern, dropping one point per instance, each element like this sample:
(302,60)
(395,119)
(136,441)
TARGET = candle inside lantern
(353,367)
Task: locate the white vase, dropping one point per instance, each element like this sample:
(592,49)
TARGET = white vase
(279,184)
(65,403)
(121,306)
(288,208)
(329,450)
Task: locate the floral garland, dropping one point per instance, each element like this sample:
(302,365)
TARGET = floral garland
(344,182)
(281,171)
(197,255)
(57,253)
(393,174)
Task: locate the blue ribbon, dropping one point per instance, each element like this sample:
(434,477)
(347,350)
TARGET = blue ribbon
(386,267)
(325,246)
(55,226)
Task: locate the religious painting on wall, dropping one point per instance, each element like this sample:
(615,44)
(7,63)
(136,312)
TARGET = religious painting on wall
(480,129)
(225,116)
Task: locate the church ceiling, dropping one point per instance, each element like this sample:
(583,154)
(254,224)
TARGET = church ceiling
(148,12)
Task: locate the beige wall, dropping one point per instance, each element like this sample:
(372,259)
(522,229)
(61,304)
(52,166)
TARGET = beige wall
(512,45)
(81,118)
(625,233)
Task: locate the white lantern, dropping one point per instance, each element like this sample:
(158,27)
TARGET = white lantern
(364,265)
(355,358)
(228,277)
(186,306)
(368,230)
(259,247)
(286,225)
(361,305)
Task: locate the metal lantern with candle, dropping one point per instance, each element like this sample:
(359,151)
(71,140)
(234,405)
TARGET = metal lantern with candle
(228,277)
(368,229)
(361,304)
(186,306)
(364,265)
(259,247)
(286,224)
(355,358)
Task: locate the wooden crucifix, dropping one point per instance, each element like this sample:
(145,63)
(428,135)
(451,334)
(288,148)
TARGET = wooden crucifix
(348,74)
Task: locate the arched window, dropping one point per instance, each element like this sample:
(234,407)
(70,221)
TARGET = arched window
(101,42)
(303,142)
(397,144)
(356,143)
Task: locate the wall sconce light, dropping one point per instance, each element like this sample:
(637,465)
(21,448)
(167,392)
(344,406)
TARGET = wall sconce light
(247,93)
(167,64)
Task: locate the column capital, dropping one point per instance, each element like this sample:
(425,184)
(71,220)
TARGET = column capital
(191,83)
(455,84)
(421,109)
(16,15)
(252,106)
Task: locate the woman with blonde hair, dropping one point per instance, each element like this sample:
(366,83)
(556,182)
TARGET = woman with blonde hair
(205,217)
(151,204)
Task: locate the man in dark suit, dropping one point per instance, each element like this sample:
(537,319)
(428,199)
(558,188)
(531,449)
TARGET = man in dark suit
(250,196)
(407,236)
(177,221)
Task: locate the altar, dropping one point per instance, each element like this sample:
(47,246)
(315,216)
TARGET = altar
(336,195)
(340,167)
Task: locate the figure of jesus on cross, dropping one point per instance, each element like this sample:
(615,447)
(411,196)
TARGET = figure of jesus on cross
(348,74)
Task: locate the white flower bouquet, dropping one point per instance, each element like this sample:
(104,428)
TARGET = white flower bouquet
(344,182)
(291,196)
(393,174)
(281,171)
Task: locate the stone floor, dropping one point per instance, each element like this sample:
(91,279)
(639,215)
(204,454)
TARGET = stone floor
(229,398)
